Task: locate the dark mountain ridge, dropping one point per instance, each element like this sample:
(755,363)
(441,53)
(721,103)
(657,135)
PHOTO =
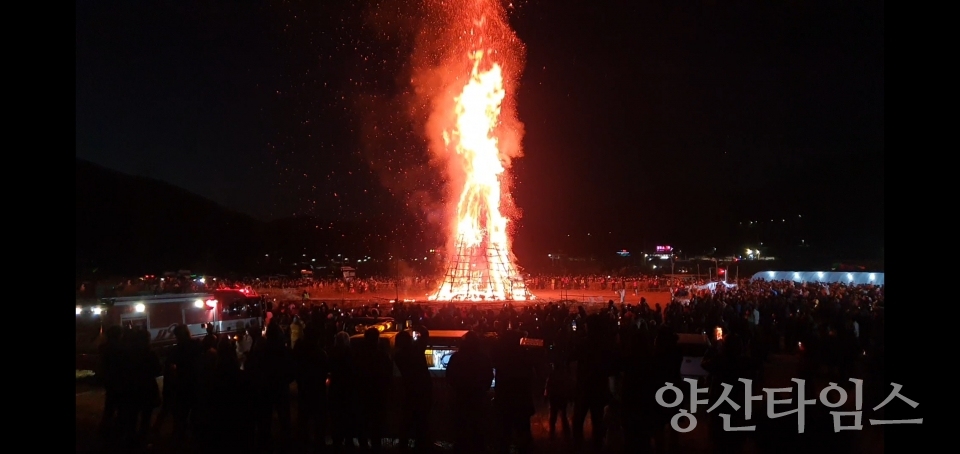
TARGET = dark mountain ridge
(130,225)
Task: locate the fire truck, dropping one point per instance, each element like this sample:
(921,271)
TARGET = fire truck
(226,310)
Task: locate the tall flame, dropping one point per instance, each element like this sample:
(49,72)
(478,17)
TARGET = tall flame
(480,266)
(478,111)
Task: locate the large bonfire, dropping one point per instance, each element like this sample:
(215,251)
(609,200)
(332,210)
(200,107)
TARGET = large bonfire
(475,117)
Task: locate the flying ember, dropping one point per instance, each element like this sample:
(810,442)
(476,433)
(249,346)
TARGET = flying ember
(480,265)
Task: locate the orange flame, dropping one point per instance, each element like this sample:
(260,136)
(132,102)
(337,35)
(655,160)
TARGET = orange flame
(478,110)
(481,266)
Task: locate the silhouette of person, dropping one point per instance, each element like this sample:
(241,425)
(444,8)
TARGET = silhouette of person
(183,364)
(271,370)
(209,341)
(228,410)
(559,393)
(111,360)
(142,393)
(639,391)
(311,377)
(513,394)
(204,414)
(343,417)
(667,359)
(728,366)
(374,374)
(417,389)
(470,374)
(592,388)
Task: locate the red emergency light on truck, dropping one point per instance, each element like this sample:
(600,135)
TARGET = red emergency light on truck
(226,310)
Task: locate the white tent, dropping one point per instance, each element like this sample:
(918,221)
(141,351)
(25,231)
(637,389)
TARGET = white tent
(712,286)
(827,277)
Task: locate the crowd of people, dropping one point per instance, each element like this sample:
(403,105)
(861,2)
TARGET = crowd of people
(635,283)
(374,285)
(223,392)
(190,284)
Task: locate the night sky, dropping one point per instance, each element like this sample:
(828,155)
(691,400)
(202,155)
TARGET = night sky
(647,122)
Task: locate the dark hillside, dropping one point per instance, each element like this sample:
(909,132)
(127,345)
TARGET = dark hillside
(130,225)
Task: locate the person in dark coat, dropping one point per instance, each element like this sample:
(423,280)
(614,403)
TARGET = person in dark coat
(183,365)
(592,392)
(227,408)
(559,393)
(343,389)
(271,370)
(728,366)
(416,390)
(667,359)
(209,341)
(111,360)
(639,390)
(311,376)
(513,393)
(141,394)
(470,374)
(374,375)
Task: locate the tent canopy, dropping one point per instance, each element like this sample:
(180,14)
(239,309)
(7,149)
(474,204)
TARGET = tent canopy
(827,277)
